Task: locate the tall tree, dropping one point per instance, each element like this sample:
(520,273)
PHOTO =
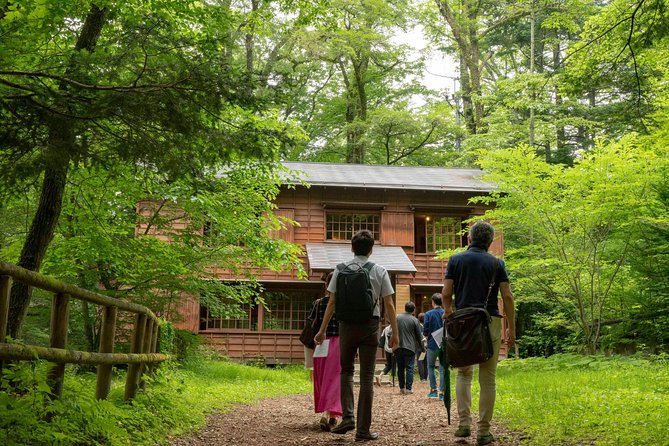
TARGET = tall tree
(139,83)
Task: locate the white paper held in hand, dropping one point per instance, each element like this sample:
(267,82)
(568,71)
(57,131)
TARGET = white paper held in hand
(438,335)
(321,351)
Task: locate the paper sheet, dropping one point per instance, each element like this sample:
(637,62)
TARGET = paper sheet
(421,356)
(438,335)
(321,351)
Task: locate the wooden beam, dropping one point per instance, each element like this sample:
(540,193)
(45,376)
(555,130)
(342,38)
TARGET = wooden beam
(56,286)
(60,315)
(107,336)
(132,380)
(5,291)
(32,353)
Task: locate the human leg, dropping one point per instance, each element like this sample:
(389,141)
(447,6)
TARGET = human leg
(410,358)
(463,395)
(487,380)
(431,363)
(367,356)
(401,357)
(348,345)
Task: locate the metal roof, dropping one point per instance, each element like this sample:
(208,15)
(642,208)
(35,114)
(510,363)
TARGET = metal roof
(388,177)
(326,256)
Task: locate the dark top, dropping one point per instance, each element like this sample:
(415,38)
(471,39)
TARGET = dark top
(432,322)
(471,272)
(318,311)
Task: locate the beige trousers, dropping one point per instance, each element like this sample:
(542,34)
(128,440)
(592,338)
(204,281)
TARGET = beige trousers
(487,372)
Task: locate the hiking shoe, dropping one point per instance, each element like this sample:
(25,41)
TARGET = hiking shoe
(346,425)
(464,431)
(432,394)
(441,397)
(484,439)
(366,436)
(408,392)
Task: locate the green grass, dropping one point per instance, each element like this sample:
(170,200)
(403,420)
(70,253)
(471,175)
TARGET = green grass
(176,402)
(575,400)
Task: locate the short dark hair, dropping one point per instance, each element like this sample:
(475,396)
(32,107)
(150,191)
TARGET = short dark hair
(421,317)
(409,307)
(481,234)
(436,298)
(362,242)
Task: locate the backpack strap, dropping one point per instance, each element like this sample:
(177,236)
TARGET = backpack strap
(492,281)
(341,266)
(368,266)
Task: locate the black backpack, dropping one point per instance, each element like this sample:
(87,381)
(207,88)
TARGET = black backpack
(354,298)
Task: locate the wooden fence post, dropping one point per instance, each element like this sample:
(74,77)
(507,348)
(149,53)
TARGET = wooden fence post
(60,313)
(146,348)
(107,337)
(137,345)
(5,292)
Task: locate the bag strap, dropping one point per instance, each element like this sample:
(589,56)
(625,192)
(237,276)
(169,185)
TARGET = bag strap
(492,281)
(368,266)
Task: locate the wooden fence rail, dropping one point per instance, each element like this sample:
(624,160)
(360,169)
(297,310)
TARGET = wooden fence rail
(144,340)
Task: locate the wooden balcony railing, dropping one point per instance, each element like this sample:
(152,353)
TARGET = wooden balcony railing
(143,352)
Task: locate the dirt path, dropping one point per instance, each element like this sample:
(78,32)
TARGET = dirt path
(399,420)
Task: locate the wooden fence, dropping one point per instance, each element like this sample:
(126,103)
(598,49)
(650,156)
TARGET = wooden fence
(143,352)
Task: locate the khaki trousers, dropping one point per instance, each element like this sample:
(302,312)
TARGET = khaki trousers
(487,372)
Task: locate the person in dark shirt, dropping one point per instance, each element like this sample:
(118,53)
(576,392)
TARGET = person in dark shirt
(411,343)
(432,322)
(468,276)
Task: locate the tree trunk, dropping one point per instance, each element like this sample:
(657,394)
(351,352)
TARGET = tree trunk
(57,158)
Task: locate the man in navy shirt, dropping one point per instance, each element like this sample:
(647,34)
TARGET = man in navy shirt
(432,322)
(468,275)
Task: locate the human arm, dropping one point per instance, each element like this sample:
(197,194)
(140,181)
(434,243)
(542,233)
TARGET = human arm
(329,311)
(392,317)
(447,296)
(509,312)
(427,324)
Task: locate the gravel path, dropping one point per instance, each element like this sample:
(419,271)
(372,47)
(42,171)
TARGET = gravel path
(399,420)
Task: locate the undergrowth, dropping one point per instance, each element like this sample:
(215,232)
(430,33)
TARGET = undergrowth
(177,400)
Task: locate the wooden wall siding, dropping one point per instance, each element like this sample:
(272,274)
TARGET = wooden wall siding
(187,311)
(402,296)
(273,347)
(168,212)
(397,228)
(287,233)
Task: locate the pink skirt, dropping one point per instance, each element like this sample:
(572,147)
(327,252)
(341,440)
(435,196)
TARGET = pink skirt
(327,373)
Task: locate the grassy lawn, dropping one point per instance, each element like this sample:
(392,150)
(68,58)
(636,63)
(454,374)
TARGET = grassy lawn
(570,399)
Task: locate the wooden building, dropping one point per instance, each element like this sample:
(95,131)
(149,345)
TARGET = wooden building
(412,212)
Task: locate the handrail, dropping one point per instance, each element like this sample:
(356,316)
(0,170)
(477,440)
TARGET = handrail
(143,352)
(50,284)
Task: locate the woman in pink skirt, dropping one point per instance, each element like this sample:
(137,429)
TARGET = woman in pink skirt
(327,368)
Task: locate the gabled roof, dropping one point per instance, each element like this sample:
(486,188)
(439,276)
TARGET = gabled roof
(326,256)
(389,177)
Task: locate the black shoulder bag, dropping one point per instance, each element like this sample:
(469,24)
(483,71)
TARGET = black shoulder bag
(467,332)
(311,327)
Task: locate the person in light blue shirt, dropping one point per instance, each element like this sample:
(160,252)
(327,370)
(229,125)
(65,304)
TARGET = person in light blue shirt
(432,322)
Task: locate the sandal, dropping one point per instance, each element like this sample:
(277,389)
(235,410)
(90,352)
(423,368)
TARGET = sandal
(325,426)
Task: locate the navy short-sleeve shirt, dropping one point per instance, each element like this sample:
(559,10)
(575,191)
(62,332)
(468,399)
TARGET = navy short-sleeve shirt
(471,272)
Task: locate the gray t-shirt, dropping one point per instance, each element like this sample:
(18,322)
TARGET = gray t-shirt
(379,277)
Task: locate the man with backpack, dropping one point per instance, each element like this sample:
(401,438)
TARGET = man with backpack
(475,277)
(356,291)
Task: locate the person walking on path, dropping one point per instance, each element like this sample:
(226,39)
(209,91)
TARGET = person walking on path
(432,322)
(411,342)
(360,336)
(421,360)
(468,275)
(327,369)
(390,365)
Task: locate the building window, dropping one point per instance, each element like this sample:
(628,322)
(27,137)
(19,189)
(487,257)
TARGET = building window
(437,233)
(342,226)
(236,317)
(287,310)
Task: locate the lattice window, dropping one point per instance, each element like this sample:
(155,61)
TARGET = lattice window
(340,226)
(287,310)
(443,233)
(238,317)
